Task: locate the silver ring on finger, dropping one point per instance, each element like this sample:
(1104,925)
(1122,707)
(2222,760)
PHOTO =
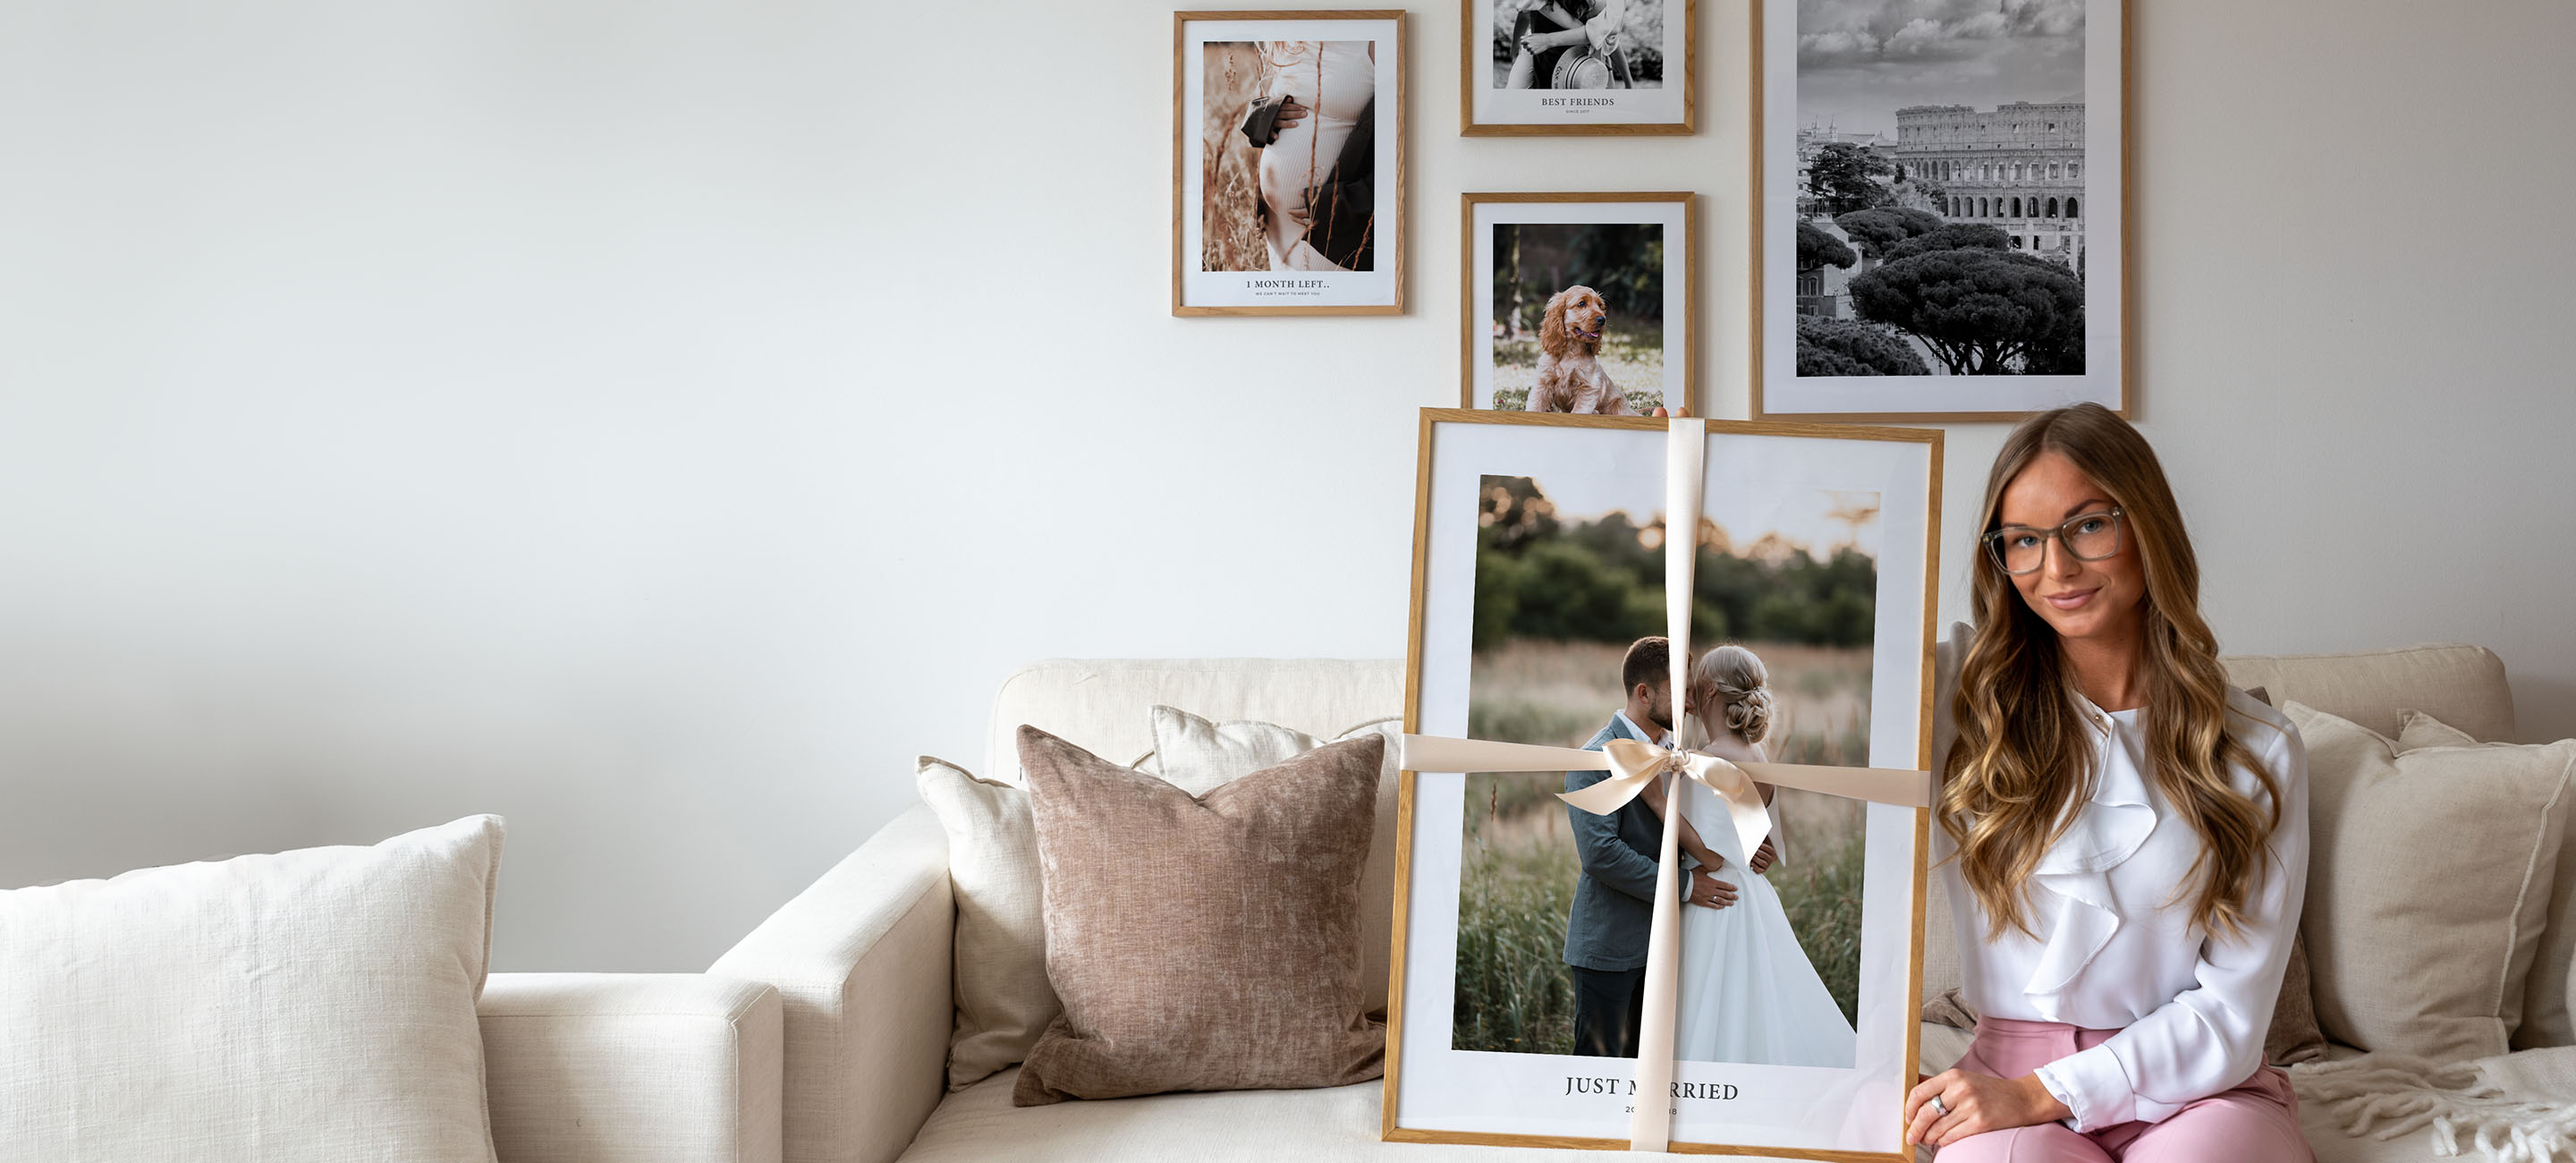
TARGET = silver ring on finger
(1939,1107)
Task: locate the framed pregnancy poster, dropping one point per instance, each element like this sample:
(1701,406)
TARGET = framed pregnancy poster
(1288,163)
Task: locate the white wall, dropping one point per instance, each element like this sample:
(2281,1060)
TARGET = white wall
(659,422)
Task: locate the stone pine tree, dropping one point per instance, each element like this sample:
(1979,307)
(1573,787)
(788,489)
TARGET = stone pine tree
(1819,249)
(1850,347)
(1880,227)
(1847,176)
(1981,311)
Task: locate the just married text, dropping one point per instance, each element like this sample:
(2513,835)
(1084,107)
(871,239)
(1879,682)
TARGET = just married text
(1721,1091)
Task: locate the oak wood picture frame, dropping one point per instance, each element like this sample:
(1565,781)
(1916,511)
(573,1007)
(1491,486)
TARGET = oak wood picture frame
(1474,66)
(1408,783)
(1765,94)
(1393,120)
(1471,296)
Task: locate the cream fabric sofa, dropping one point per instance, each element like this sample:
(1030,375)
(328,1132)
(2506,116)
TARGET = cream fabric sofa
(861,960)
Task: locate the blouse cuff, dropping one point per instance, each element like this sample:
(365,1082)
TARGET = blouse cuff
(2094,1087)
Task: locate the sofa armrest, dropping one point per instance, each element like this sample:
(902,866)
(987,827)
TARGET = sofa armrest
(861,963)
(634,1067)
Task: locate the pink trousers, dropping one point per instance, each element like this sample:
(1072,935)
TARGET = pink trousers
(2258,1122)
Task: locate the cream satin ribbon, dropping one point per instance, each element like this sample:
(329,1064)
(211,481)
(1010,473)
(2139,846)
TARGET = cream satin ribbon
(1634,765)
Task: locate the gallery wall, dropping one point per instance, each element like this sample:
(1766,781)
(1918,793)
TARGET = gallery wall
(659,423)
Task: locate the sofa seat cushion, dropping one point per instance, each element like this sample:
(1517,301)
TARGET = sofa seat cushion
(1333,1125)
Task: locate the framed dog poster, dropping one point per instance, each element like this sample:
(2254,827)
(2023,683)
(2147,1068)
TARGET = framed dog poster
(1288,163)
(1538,67)
(1579,303)
(1941,227)
(1521,924)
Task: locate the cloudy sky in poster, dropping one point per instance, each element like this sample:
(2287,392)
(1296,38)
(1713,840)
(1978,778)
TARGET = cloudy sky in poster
(1859,61)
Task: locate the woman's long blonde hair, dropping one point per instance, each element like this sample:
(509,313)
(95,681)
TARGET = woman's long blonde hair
(2023,752)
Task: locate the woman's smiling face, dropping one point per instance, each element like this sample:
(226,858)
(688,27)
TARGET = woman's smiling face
(2079,599)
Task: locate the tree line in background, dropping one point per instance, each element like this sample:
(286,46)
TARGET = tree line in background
(1534,260)
(1538,577)
(1980,306)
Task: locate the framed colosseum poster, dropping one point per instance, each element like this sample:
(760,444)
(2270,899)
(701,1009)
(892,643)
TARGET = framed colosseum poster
(1941,231)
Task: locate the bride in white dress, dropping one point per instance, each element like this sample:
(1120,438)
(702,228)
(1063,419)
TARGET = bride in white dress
(1748,991)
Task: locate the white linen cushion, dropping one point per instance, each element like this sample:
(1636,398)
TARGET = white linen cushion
(314,1004)
(1196,754)
(2421,939)
(1003,999)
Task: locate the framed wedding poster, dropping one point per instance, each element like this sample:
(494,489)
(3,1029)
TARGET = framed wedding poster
(1288,163)
(1541,67)
(1579,303)
(1541,549)
(1941,223)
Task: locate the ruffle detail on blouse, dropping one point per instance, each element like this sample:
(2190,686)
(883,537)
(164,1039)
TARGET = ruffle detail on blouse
(2076,871)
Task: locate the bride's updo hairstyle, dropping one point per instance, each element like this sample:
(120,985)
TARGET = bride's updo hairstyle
(2024,751)
(1733,678)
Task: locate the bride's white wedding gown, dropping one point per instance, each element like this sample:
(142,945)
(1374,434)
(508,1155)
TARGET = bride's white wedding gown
(1748,992)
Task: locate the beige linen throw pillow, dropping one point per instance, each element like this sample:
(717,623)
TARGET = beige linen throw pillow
(314,1004)
(2550,993)
(1203,942)
(2429,875)
(999,955)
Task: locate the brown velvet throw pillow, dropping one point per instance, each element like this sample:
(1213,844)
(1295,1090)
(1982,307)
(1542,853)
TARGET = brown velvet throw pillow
(1203,942)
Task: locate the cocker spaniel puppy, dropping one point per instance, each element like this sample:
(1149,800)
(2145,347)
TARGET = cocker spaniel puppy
(1570,378)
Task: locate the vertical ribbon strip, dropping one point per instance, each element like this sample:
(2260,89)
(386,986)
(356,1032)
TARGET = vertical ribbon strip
(1634,767)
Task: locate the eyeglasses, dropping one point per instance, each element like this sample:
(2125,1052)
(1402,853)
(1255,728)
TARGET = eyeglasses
(2019,549)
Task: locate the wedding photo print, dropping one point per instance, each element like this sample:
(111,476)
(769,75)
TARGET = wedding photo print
(1542,660)
(1569,652)
(1576,66)
(1941,189)
(1287,191)
(1578,303)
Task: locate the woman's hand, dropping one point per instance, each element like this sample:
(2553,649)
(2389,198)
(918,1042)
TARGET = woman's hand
(1976,1103)
(1675,414)
(1763,858)
(1290,113)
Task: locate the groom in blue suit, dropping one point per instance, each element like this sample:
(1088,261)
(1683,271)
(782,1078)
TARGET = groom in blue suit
(1605,936)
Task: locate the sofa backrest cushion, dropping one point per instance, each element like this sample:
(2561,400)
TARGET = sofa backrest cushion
(2463,686)
(1101,705)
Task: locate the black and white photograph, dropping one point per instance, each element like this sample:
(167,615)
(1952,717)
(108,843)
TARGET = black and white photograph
(1940,202)
(1570,652)
(1578,304)
(1542,619)
(1576,67)
(1286,161)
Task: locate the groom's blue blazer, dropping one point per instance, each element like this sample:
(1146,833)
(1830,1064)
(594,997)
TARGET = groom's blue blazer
(1614,899)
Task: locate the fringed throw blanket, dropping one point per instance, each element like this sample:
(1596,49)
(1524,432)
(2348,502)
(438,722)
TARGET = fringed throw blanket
(2512,1108)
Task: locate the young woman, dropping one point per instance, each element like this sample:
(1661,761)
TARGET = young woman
(1748,992)
(2125,837)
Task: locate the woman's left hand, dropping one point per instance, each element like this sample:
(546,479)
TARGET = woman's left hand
(1976,1103)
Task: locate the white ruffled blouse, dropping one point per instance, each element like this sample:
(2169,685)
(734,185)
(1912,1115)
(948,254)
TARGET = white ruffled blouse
(2112,951)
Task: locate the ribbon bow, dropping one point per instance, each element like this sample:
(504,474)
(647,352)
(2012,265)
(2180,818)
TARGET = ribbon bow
(1633,765)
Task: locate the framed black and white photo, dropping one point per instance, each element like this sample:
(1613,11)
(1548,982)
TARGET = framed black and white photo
(1941,228)
(1538,67)
(1579,303)
(1541,550)
(1288,163)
